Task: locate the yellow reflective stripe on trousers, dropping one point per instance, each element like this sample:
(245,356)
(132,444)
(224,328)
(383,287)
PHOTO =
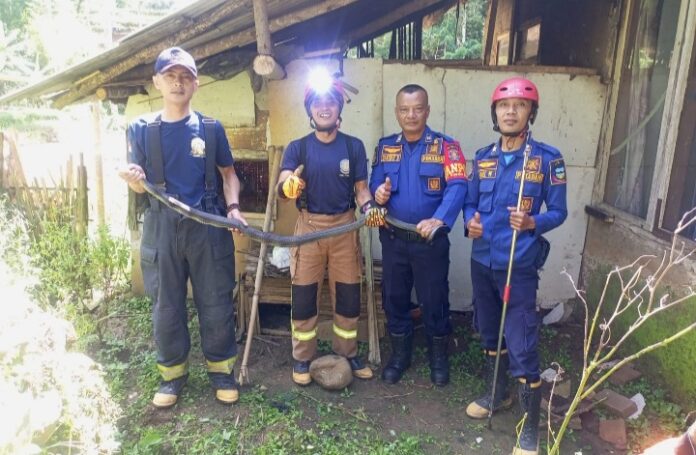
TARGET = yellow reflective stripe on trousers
(223,366)
(347,334)
(303,336)
(174,371)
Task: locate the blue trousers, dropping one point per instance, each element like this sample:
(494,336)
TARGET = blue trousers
(405,264)
(174,249)
(522,320)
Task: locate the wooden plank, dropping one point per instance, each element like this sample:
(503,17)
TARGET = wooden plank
(248,35)
(98,169)
(2,159)
(512,34)
(489,31)
(82,209)
(372,335)
(250,155)
(264,45)
(88,85)
(258,279)
(386,22)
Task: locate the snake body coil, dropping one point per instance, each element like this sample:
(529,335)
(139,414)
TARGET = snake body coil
(268,237)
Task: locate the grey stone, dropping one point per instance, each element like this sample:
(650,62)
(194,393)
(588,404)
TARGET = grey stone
(332,372)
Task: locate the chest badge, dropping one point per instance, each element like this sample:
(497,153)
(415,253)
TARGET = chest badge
(344,167)
(198,147)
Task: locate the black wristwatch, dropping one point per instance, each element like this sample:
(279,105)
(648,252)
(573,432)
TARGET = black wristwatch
(232,206)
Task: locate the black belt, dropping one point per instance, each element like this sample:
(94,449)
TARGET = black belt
(407,236)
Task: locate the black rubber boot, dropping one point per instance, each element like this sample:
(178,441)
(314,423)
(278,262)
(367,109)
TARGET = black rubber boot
(479,408)
(400,360)
(439,361)
(530,402)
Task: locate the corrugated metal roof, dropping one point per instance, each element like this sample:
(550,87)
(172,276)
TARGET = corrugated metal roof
(242,18)
(236,20)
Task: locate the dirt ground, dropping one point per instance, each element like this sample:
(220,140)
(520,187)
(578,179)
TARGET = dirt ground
(413,406)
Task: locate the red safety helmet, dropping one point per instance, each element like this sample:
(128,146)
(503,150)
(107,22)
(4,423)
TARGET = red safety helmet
(515,87)
(334,87)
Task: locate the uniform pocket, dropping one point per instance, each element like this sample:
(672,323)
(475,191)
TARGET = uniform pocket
(149,267)
(532,191)
(531,330)
(223,259)
(391,170)
(432,180)
(485,202)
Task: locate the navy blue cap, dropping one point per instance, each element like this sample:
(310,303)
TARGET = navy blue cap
(175,56)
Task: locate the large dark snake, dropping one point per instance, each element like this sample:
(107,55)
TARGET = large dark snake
(271,237)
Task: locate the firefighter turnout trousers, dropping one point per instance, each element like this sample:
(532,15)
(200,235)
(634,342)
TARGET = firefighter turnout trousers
(341,255)
(174,249)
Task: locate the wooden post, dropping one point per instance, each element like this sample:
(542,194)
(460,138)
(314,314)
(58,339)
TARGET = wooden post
(272,182)
(82,209)
(374,355)
(490,31)
(264,63)
(2,160)
(98,166)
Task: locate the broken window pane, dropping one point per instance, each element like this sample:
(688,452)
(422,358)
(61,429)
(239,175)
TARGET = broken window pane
(637,124)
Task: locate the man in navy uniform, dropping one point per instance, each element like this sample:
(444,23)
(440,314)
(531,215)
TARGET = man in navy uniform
(420,176)
(491,215)
(334,177)
(188,155)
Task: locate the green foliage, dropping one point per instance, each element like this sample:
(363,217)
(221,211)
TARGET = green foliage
(659,414)
(68,265)
(456,38)
(671,366)
(13,13)
(71,266)
(451,37)
(26,119)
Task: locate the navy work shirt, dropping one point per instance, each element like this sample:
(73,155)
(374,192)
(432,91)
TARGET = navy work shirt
(495,186)
(329,187)
(183,154)
(427,180)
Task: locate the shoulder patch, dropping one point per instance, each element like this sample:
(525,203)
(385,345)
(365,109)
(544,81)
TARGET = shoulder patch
(483,150)
(455,164)
(557,172)
(375,156)
(386,138)
(549,148)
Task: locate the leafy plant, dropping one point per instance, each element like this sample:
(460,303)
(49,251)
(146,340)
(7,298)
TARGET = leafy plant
(640,299)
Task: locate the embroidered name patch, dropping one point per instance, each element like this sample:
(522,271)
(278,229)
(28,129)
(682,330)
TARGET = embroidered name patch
(430,158)
(557,172)
(391,153)
(534,177)
(434,184)
(487,169)
(455,164)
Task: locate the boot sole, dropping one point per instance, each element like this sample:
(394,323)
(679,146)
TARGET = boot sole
(475,411)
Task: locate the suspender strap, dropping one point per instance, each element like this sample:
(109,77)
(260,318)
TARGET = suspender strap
(154,151)
(210,154)
(351,162)
(303,160)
